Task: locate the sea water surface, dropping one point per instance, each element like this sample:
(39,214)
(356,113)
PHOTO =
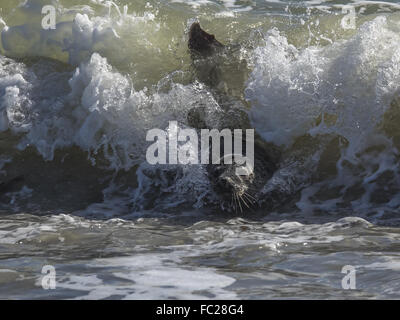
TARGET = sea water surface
(77,194)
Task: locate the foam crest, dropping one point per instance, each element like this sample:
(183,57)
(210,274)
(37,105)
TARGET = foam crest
(289,88)
(343,89)
(96,109)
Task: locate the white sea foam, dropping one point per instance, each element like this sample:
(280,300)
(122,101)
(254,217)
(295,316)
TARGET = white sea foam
(149,276)
(99,111)
(290,87)
(354,80)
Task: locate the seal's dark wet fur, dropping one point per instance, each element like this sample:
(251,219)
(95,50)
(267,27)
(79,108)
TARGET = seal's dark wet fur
(237,193)
(7,186)
(201,42)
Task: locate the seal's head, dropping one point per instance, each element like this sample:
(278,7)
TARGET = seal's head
(201,42)
(239,186)
(236,191)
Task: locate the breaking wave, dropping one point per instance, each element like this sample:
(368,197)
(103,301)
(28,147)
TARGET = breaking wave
(84,95)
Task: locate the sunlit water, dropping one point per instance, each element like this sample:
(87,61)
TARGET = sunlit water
(76,103)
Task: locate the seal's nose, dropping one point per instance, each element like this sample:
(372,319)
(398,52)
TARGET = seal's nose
(201,41)
(225,185)
(195,27)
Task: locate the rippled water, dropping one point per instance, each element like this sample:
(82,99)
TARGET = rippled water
(77,194)
(197,258)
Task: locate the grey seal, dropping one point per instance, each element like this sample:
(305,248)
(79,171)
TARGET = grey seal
(237,193)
